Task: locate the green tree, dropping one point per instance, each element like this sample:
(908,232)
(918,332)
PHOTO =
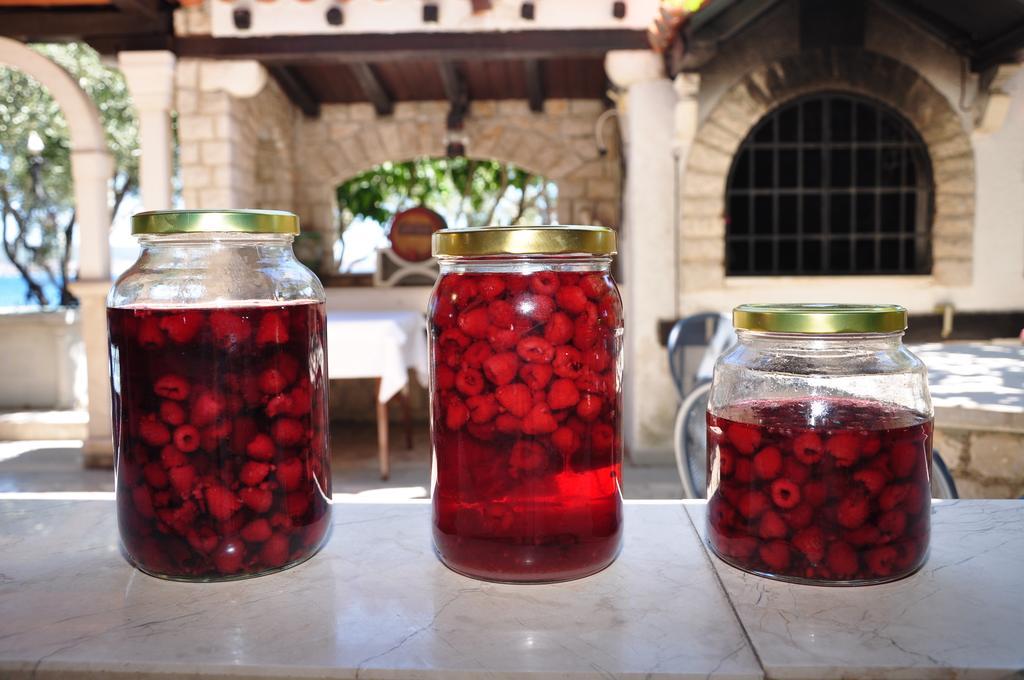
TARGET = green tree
(37,209)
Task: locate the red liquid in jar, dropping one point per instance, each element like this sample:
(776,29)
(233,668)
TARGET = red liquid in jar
(526,411)
(220,431)
(826,490)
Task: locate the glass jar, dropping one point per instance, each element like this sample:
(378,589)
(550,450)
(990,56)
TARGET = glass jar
(525,328)
(819,446)
(218,369)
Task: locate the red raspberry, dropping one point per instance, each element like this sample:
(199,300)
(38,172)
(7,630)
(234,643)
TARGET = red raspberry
(501,313)
(720,513)
(535,350)
(273,381)
(508,424)
(172,386)
(811,542)
(476,354)
(544,283)
(866,534)
(743,471)
(502,339)
(229,556)
(903,457)
(491,286)
(768,463)
(280,405)
(563,394)
(539,420)
(585,333)
(536,307)
(206,409)
(559,329)
(261,447)
(143,501)
(735,544)
(150,336)
(155,475)
(852,510)
(482,431)
(186,438)
(171,457)
(595,383)
(608,310)
(501,369)
(594,285)
(892,524)
(873,480)
(751,504)
(182,327)
(443,313)
(274,552)
(589,407)
(482,408)
(515,398)
(273,330)
(772,525)
(153,432)
(287,432)
(289,473)
(808,448)
(841,560)
(288,366)
(892,496)
(814,493)
(799,517)
(844,447)
(469,381)
(445,377)
(256,531)
(871,445)
(917,499)
(597,359)
(785,494)
(571,298)
(281,520)
(253,472)
(257,500)
(475,322)
(568,362)
(220,502)
(456,413)
(795,471)
(464,291)
(565,440)
(527,458)
(775,555)
(204,539)
(452,340)
(726,460)
(229,329)
(881,560)
(746,438)
(172,413)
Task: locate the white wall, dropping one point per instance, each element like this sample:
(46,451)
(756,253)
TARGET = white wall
(43,364)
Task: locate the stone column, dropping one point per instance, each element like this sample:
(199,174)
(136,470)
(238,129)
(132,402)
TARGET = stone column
(150,77)
(647,250)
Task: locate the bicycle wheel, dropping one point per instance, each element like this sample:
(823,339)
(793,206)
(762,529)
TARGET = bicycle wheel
(690,442)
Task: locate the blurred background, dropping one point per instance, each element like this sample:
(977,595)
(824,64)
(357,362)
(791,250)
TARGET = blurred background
(745,150)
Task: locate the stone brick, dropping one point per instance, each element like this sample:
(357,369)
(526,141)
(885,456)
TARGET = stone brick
(343,132)
(215,152)
(950,148)
(556,107)
(195,128)
(571,188)
(484,108)
(698,183)
(222,177)
(702,207)
(186,102)
(953,272)
(406,111)
(214,102)
(514,107)
(212,198)
(333,113)
(576,127)
(954,446)
(225,127)
(195,176)
(979,488)
(708,160)
(702,251)
(188,153)
(586,148)
(434,109)
(951,247)
(602,188)
(955,184)
(718,137)
(362,112)
(186,74)
(608,213)
(703,227)
(953,226)
(584,212)
(591,107)
(998,454)
(950,205)
(695,277)
(590,170)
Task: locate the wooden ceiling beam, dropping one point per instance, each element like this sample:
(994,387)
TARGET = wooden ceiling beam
(296,89)
(373,88)
(456,90)
(390,47)
(151,9)
(534,84)
(79,23)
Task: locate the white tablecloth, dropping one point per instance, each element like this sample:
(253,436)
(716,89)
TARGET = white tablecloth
(381,345)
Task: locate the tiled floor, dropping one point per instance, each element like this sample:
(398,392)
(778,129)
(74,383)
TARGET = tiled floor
(37,466)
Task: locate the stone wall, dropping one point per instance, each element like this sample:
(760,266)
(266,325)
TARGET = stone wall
(985,463)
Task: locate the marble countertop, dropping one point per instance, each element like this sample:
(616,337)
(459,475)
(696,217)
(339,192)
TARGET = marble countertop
(377,604)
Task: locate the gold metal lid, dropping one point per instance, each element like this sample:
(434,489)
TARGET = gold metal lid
(820,318)
(539,240)
(193,221)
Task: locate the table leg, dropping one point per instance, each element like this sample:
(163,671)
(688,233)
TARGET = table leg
(382,434)
(406,416)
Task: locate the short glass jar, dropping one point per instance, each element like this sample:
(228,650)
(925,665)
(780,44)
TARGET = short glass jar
(218,369)
(525,327)
(819,446)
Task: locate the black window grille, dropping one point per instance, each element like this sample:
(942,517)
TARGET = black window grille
(830,184)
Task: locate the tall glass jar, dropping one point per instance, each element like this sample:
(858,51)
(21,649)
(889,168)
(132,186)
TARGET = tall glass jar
(526,402)
(218,369)
(819,446)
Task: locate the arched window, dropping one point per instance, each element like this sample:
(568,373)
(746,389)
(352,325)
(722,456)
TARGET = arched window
(829,184)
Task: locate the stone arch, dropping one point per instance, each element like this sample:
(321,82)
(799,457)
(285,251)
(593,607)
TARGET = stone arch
(91,162)
(866,73)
